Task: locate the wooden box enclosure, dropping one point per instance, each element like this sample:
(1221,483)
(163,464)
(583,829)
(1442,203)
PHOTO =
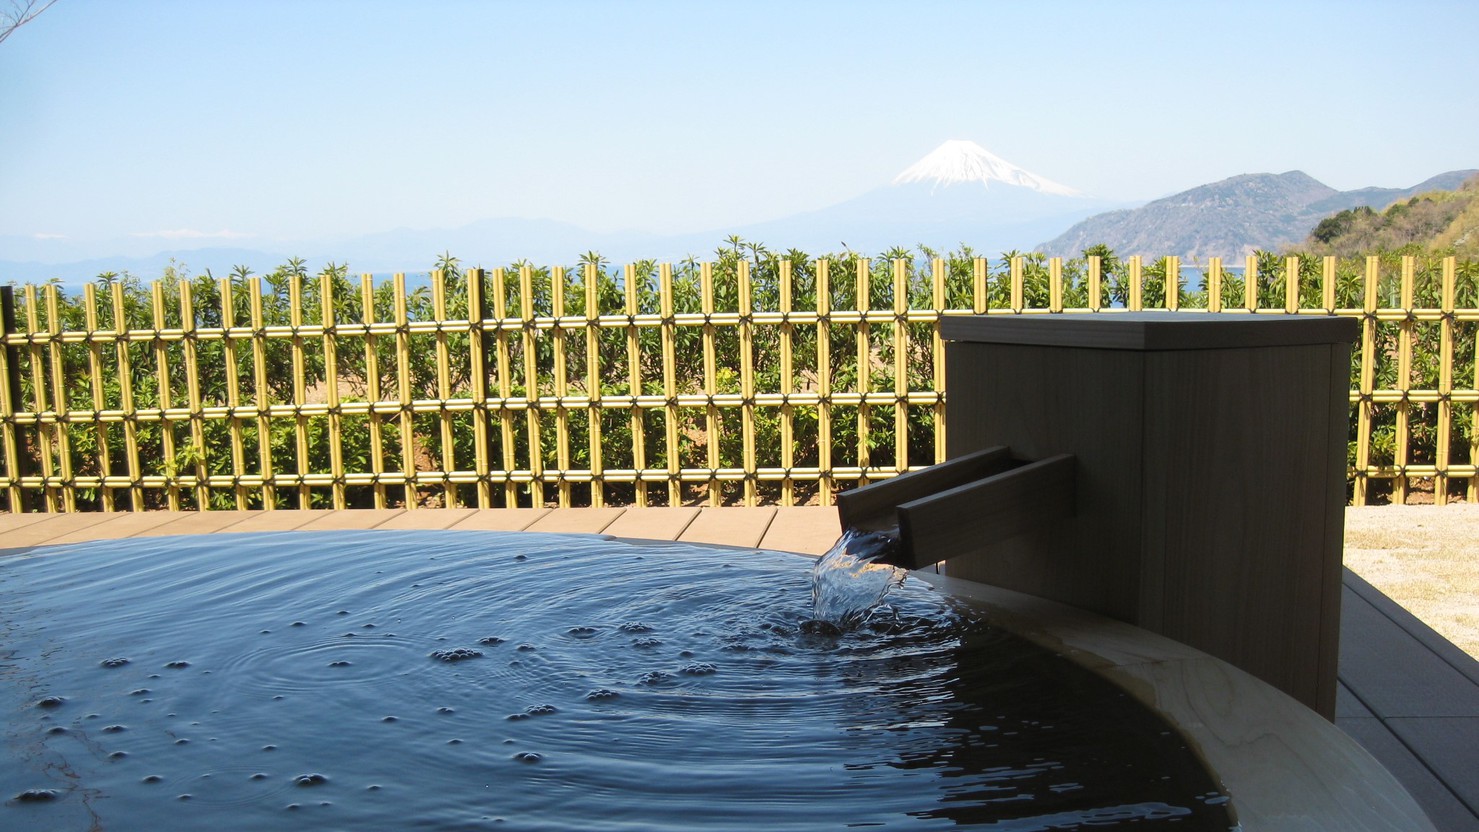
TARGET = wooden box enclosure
(1210,477)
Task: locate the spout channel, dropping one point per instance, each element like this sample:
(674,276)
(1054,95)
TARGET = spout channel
(961,505)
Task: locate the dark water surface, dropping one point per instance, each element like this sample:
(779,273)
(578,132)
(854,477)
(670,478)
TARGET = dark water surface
(466,680)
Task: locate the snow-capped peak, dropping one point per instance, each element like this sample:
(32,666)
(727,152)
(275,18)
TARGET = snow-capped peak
(959,160)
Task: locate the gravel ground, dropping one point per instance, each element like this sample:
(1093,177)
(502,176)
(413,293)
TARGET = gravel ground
(1425,558)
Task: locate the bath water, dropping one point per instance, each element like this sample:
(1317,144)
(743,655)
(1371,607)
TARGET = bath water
(466,680)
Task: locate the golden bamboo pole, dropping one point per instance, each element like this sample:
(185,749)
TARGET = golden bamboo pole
(1173,283)
(711,384)
(1055,284)
(478,372)
(788,450)
(531,386)
(937,352)
(372,388)
(1365,413)
(864,365)
(593,381)
(670,383)
(126,400)
(39,402)
(562,385)
(826,483)
(1096,284)
(166,427)
(59,398)
(1018,294)
(1137,284)
(901,367)
(8,429)
(450,498)
(503,363)
(980,300)
(1250,283)
(263,397)
(634,385)
(1291,285)
(747,382)
(192,392)
(300,392)
(233,394)
(1214,284)
(403,388)
(1327,283)
(329,321)
(95,378)
(1445,382)
(1404,382)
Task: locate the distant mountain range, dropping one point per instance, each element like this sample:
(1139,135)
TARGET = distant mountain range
(1231,218)
(959,193)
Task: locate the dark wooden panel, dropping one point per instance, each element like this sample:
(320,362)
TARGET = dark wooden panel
(1237,473)
(1042,402)
(1189,330)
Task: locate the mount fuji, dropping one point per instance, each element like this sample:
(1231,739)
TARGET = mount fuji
(959,193)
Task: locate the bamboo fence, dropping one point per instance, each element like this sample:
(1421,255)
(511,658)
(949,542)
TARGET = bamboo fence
(537,387)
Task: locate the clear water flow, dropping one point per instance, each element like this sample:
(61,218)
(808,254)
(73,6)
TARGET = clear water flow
(462,680)
(848,584)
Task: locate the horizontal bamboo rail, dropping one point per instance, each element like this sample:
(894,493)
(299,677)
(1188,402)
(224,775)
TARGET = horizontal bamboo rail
(729,382)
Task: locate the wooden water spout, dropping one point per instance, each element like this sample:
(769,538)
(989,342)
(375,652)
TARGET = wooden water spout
(954,508)
(1205,495)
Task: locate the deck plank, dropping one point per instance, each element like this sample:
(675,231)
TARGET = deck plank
(728,526)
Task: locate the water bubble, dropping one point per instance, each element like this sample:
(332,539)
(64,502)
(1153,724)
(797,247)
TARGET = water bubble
(521,557)
(178,664)
(310,780)
(114,662)
(699,669)
(151,778)
(635,627)
(139,692)
(654,677)
(342,612)
(298,624)
(258,776)
(646,641)
(445,710)
(516,717)
(490,640)
(457,654)
(269,748)
(37,795)
(113,729)
(389,719)
(454,741)
(372,788)
(340,663)
(182,797)
(182,741)
(685,654)
(526,647)
(118,755)
(540,710)
(51,702)
(56,729)
(601,693)
(582,632)
(528,757)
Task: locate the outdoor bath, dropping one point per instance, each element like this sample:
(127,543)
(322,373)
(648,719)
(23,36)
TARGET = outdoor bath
(388,680)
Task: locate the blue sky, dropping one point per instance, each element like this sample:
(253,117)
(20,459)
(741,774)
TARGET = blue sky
(269,119)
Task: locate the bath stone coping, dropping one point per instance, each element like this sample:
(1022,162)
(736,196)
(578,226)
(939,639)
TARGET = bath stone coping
(1284,766)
